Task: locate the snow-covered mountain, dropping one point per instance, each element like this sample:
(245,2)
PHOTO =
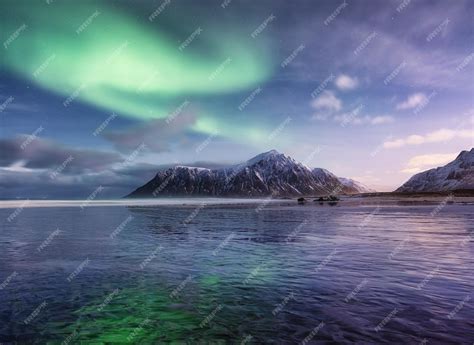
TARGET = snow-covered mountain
(356,186)
(269,173)
(459,174)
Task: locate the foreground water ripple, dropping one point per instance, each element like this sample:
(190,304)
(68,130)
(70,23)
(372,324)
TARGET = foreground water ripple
(277,274)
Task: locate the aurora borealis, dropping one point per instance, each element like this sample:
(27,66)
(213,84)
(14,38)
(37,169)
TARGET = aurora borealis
(99,55)
(236,77)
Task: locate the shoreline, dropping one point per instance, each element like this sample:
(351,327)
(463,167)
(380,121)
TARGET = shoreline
(380,199)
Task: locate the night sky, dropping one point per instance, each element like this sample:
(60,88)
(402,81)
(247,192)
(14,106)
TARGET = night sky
(103,93)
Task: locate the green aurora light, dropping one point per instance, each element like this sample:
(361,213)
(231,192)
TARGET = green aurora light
(100,55)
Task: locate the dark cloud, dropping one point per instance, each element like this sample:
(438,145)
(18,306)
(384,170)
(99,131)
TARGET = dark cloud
(36,168)
(158,135)
(37,153)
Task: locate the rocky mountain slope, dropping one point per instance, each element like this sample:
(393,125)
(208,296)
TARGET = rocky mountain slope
(355,186)
(268,174)
(459,174)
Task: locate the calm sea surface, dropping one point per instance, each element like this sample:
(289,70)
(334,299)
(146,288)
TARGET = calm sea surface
(223,274)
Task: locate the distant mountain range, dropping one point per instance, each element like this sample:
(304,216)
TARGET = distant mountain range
(268,174)
(459,174)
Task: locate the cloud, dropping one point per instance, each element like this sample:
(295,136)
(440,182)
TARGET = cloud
(425,162)
(345,82)
(326,104)
(441,135)
(117,181)
(39,153)
(327,101)
(349,118)
(158,135)
(413,101)
(37,183)
(378,120)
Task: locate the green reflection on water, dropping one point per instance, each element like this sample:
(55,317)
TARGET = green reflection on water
(149,315)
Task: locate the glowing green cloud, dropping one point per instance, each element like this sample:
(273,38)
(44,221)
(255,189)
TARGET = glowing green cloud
(101,55)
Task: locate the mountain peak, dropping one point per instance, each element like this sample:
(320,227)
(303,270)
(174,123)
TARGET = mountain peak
(465,153)
(269,173)
(265,156)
